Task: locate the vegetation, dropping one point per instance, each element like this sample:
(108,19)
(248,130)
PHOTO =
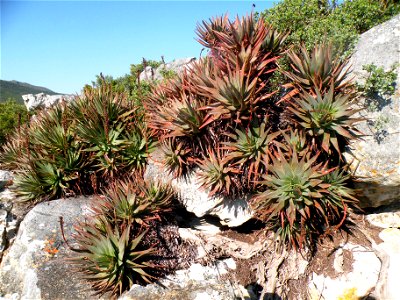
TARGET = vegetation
(78,148)
(377,86)
(111,251)
(248,136)
(314,22)
(245,122)
(12,115)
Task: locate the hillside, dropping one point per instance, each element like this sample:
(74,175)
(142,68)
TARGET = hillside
(15,89)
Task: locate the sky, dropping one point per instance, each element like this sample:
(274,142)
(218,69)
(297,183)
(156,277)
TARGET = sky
(63,45)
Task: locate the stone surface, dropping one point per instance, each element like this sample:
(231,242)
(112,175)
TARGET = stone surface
(385,217)
(196,283)
(231,212)
(43,100)
(391,247)
(5,178)
(360,282)
(177,66)
(29,270)
(8,221)
(375,160)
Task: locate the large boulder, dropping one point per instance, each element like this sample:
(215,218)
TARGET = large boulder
(34,267)
(42,100)
(375,159)
(232,212)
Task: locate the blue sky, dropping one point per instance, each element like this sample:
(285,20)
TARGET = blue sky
(62,45)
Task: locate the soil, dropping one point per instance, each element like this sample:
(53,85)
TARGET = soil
(172,253)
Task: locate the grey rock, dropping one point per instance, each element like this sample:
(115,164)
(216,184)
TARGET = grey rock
(29,270)
(231,212)
(5,178)
(197,282)
(375,159)
(42,100)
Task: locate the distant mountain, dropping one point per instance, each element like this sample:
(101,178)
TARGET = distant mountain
(15,89)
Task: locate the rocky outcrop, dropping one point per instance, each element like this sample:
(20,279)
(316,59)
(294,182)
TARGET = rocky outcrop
(8,220)
(231,212)
(197,282)
(34,267)
(176,66)
(42,100)
(375,159)
(6,177)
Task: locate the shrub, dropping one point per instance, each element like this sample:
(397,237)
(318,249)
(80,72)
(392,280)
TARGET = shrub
(313,22)
(10,114)
(300,200)
(111,250)
(247,134)
(78,148)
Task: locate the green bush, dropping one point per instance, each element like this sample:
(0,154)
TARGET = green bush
(312,22)
(10,114)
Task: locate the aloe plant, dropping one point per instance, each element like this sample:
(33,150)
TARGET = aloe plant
(134,202)
(326,118)
(252,150)
(112,260)
(300,197)
(176,157)
(215,174)
(320,71)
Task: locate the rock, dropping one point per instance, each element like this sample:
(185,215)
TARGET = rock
(375,159)
(5,178)
(358,283)
(176,66)
(231,212)
(391,247)
(8,221)
(387,217)
(43,100)
(196,283)
(30,269)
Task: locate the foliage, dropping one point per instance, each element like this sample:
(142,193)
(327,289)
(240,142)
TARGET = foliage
(313,22)
(245,131)
(10,114)
(113,261)
(379,81)
(78,147)
(301,200)
(327,119)
(111,251)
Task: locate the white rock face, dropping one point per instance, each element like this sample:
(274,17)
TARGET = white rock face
(43,100)
(375,159)
(360,281)
(391,246)
(177,66)
(231,212)
(196,283)
(28,270)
